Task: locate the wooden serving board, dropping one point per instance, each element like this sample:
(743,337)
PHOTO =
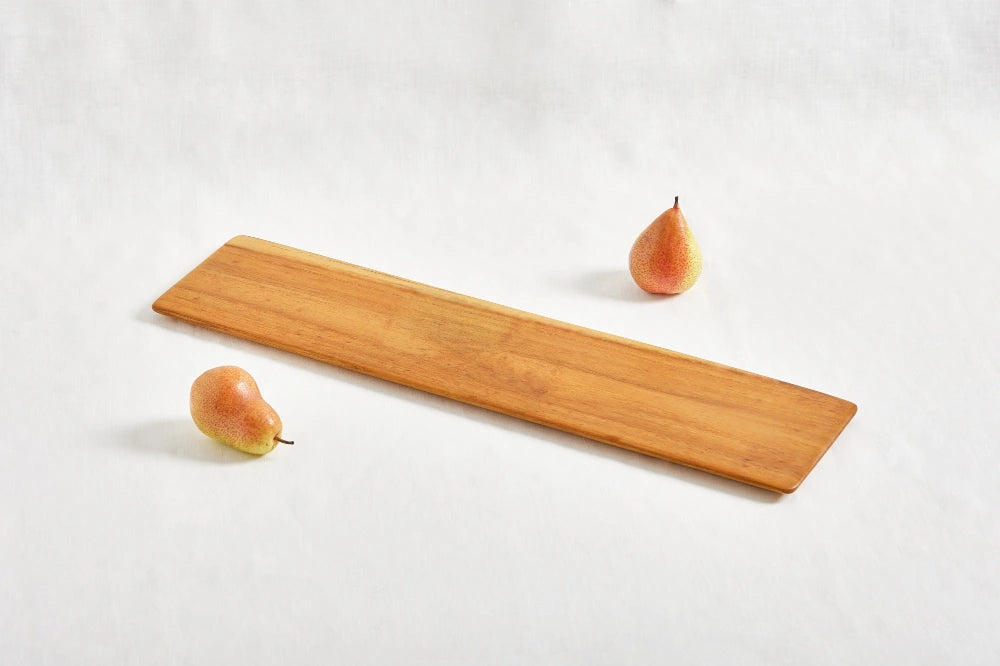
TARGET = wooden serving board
(628,394)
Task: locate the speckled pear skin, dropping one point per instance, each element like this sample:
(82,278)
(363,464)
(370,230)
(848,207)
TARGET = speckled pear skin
(227,406)
(666,258)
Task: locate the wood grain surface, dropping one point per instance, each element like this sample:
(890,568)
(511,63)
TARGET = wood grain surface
(715,418)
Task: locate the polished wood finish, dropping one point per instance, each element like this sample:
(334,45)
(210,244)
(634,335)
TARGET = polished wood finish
(725,421)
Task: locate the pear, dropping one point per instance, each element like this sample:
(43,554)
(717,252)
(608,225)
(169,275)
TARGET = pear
(665,258)
(227,406)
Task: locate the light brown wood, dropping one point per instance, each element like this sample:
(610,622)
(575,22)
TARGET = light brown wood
(725,421)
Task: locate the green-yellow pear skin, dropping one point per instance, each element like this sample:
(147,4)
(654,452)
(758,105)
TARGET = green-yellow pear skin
(226,405)
(665,258)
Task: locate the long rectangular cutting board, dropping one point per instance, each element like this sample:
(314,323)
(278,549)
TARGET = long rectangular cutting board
(621,392)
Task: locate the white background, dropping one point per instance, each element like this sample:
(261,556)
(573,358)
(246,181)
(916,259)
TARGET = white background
(838,162)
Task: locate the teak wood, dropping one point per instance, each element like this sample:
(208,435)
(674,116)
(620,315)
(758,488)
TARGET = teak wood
(725,421)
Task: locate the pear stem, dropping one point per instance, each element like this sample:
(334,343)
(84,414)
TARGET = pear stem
(676,199)
(283,441)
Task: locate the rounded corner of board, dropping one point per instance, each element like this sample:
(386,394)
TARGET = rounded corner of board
(242,240)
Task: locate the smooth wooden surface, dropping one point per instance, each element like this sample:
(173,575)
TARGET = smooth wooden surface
(636,396)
